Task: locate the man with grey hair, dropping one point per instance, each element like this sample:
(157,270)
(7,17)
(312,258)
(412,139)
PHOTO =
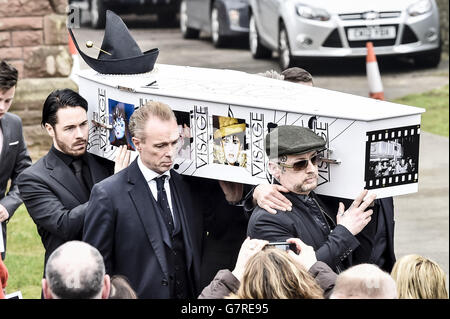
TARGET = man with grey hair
(75,270)
(148,220)
(364,281)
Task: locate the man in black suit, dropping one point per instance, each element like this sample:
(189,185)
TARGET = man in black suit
(56,188)
(147,221)
(14,156)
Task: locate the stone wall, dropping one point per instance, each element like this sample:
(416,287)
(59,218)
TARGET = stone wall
(34,38)
(443,14)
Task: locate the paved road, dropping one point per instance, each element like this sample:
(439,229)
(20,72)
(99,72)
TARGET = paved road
(422,219)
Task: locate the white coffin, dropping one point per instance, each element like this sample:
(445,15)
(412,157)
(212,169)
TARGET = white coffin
(360,132)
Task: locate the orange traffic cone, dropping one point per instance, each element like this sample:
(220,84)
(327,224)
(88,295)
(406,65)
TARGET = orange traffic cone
(76,61)
(373,74)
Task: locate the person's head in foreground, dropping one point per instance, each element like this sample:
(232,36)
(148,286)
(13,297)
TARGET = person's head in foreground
(273,274)
(121,288)
(418,277)
(364,281)
(75,270)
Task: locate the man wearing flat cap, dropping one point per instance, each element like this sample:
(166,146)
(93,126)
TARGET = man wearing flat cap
(294,155)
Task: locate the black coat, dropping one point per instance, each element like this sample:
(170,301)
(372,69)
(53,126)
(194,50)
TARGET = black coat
(227,229)
(381,225)
(121,222)
(315,227)
(55,200)
(385,257)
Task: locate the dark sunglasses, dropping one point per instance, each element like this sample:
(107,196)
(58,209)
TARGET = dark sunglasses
(302,164)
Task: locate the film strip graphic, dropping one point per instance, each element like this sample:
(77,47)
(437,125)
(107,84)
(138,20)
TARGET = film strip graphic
(392,157)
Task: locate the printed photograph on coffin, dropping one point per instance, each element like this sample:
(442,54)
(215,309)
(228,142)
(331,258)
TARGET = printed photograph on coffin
(119,116)
(184,128)
(230,147)
(392,157)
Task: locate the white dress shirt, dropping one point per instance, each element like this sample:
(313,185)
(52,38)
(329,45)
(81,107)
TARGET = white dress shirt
(150,176)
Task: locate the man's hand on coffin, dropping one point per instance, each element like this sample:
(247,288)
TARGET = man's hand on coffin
(122,159)
(355,218)
(269,197)
(233,191)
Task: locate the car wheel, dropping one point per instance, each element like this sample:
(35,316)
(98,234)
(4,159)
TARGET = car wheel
(284,50)
(217,39)
(97,10)
(258,50)
(429,59)
(186,32)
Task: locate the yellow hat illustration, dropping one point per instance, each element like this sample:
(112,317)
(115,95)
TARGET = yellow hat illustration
(228,126)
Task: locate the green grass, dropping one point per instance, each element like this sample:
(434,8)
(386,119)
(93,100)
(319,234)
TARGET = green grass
(24,256)
(435,119)
(25,253)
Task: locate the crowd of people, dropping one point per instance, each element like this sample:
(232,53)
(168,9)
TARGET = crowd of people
(122,230)
(393,167)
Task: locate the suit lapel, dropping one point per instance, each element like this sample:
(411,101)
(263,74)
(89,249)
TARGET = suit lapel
(98,172)
(6,136)
(64,176)
(140,194)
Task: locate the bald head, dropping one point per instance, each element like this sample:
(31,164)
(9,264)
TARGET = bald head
(75,271)
(364,281)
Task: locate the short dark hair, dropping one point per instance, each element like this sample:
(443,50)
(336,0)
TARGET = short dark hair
(60,99)
(297,75)
(8,76)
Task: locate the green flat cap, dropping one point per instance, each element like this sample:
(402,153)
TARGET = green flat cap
(291,139)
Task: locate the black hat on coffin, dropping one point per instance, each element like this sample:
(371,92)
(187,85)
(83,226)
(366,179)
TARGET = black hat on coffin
(126,57)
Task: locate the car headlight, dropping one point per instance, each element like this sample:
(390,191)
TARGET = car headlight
(233,14)
(420,7)
(312,13)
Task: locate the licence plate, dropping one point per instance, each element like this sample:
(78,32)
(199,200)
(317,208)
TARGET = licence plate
(371,33)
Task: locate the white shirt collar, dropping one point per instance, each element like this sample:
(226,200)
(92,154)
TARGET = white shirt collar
(149,174)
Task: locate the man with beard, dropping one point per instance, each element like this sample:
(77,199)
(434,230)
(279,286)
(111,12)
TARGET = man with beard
(294,155)
(56,188)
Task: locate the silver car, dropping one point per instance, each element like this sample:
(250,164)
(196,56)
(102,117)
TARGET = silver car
(223,19)
(341,28)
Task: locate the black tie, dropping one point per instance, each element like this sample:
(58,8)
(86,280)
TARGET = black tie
(164,204)
(77,165)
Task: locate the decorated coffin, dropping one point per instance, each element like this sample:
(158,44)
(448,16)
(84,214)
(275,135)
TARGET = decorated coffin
(224,115)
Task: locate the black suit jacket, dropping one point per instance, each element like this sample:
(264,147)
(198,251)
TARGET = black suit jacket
(385,206)
(369,236)
(14,159)
(121,222)
(55,200)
